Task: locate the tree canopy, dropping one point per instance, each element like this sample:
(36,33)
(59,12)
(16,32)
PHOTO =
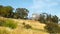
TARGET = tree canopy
(22,12)
(48,18)
(7,11)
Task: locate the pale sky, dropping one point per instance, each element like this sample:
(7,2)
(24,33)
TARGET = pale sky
(37,6)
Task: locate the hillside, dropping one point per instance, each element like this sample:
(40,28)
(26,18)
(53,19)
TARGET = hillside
(37,28)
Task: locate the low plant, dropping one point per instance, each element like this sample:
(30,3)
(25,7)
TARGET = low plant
(27,26)
(8,23)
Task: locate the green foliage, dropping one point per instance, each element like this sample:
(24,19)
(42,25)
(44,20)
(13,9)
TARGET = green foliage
(6,11)
(21,13)
(41,18)
(48,18)
(55,19)
(52,28)
(8,23)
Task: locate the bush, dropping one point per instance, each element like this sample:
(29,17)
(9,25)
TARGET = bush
(8,23)
(4,31)
(27,26)
(23,23)
(52,28)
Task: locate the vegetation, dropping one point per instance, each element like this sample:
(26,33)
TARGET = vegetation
(27,26)
(45,18)
(41,18)
(51,21)
(52,28)
(4,31)
(8,23)
(7,11)
(22,13)
(23,23)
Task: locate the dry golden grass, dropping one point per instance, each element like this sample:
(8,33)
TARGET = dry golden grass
(38,28)
(5,30)
(34,24)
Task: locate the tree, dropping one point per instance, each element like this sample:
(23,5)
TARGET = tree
(41,18)
(52,28)
(55,19)
(49,18)
(9,11)
(1,9)
(22,13)
(6,11)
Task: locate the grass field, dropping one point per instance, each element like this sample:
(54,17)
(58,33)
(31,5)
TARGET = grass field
(37,27)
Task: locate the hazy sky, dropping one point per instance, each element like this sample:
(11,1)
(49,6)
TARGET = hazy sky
(36,6)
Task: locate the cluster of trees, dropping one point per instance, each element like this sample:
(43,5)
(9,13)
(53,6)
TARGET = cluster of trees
(51,22)
(44,18)
(53,28)
(8,11)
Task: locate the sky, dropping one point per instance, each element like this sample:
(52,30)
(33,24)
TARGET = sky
(35,6)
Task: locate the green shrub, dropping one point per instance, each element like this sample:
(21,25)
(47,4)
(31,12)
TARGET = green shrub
(8,23)
(27,26)
(52,28)
(1,22)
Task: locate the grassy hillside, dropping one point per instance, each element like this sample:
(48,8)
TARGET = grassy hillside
(37,28)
